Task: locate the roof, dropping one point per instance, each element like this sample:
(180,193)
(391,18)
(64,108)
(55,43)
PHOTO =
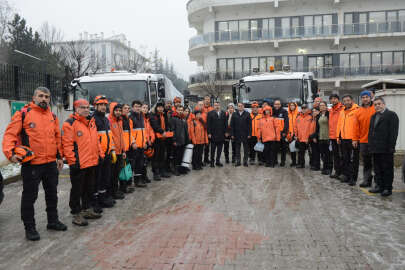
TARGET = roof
(278,76)
(390,84)
(119,76)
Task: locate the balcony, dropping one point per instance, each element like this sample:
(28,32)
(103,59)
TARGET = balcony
(348,73)
(196,5)
(300,32)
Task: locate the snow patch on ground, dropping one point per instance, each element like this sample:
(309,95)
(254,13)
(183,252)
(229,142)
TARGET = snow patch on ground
(10,170)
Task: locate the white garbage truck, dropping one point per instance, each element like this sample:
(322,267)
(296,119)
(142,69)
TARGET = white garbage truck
(299,87)
(122,87)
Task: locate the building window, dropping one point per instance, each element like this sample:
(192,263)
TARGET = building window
(376,63)
(263,64)
(246,66)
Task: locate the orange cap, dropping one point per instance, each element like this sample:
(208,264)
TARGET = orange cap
(100,100)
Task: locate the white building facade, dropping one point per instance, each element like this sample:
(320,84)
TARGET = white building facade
(345,43)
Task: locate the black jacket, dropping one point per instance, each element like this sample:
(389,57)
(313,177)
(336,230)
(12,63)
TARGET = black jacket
(282,114)
(180,130)
(241,126)
(103,125)
(216,126)
(156,125)
(383,137)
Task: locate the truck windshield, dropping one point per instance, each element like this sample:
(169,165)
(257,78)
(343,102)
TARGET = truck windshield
(285,90)
(117,91)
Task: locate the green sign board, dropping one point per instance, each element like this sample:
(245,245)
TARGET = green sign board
(16,106)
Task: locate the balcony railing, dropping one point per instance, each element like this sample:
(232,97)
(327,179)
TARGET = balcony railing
(319,73)
(297,32)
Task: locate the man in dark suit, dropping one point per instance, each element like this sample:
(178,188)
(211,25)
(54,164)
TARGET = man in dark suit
(382,138)
(241,130)
(216,129)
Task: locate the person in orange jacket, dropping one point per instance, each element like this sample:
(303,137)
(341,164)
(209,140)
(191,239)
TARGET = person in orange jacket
(150,139)
(134,137)
(82,152)
(334,114)
(363,115)
(256,116)
(199,138)
(292,118)
(103,188)
(206,108)
(269,135)
(302,131)
(117,131)
(346,136)
(36,127)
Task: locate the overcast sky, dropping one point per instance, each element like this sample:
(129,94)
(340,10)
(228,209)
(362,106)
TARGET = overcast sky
(152,23)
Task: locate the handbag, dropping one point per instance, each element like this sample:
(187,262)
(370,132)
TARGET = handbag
(126,172)
(293,146)
(259,147)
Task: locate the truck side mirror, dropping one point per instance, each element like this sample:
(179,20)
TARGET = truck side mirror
(161,89)
(65,97)
(314,87)
(248,89)
(235,100)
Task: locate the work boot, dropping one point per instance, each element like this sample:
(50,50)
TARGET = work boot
(300,166)
(165,174)
(315,169)
(233,161)
(90,214)
(156,177)
(56,226)
(227,160)
(245,164)
(32,234)
(375,190)
(139,183)
(282,164)
(386,193)
(261,163)
(96,205)
(237,164)
(352,183)
(79,220)
(366,183)
(293,164)
(212,165)
(252,162)
(343,178)
(106,201)
(335,176)
(325,172)
(219,164)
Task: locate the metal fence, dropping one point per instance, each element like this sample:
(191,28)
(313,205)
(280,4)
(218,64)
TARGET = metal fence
(19,84)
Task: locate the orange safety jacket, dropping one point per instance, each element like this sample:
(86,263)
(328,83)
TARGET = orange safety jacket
(39,130)
(269,129)
(255,124)
(292,118)
(150,135)
(198,132)
(139,130)
(302,129)
(363,115)
(347,124)
(80,142)
(334,114)
(117,134)
(128,129)
(104,132)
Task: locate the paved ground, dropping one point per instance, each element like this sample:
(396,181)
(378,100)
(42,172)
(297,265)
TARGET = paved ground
(229,218)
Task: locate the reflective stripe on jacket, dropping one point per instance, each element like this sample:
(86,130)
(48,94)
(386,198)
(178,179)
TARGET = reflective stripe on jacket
(255,124)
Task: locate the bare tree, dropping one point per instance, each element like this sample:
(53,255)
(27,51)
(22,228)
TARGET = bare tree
(79,58)
(50,34)
(6,13)
(211,84)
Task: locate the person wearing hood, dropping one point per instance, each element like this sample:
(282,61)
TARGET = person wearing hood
(347,130)
(206,108)
(36,127)
(302,131)
(130,148)
(269,135)
(199,138)
(82,152)
(228,140)
(103,187)
(180,138)
(117,131)
(292,118)
(334,114)
(281,115)
(150,139)
(255,116)
(216,129)
(140,143)
(363,115)
(160,125)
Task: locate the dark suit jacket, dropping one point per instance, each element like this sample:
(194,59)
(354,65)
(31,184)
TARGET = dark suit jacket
(216,126)
(241,126)
(383,137)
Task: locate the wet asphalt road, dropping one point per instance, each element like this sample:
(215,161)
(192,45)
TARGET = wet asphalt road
(222,218)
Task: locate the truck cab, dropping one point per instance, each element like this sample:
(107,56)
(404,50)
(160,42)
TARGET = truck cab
(122,87)
(298,87)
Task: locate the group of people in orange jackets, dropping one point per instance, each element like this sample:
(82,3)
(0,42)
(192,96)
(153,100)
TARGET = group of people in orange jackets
(98,146)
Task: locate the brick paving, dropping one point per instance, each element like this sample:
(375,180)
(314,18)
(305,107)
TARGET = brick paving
(221,219)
